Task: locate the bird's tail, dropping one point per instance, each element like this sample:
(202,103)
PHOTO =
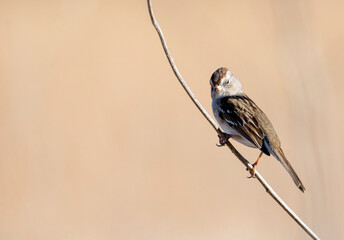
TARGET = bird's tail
(281,157)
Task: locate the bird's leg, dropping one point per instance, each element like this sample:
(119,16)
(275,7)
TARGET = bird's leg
(253,170)
(223,141)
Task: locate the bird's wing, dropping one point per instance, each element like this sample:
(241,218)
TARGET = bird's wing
(246,118)
(241,114)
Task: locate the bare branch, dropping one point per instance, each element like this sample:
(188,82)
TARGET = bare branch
(267,187)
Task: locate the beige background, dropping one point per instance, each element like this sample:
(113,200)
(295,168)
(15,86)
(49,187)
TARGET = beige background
(99,141)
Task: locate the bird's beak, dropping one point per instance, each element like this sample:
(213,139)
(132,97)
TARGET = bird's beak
(217,88)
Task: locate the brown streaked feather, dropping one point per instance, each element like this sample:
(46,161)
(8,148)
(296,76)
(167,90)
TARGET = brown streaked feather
(246,118)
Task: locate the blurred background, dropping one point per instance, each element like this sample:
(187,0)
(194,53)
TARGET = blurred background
(99,141)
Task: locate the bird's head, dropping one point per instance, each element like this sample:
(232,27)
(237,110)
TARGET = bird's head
(223,83)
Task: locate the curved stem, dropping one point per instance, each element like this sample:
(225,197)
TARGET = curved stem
(267,187)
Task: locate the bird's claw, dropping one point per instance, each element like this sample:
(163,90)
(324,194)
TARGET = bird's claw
(223,141)
(252,171)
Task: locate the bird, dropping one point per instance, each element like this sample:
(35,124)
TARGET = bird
(242,120)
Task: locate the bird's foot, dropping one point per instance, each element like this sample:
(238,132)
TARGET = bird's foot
(252,171)
(223,140)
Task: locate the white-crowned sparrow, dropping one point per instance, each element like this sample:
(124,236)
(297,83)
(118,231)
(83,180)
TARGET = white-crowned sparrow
(241,119)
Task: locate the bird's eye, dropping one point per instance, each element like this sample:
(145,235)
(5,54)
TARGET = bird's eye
(226,82)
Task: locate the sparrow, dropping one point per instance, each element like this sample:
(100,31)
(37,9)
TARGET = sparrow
(242,120)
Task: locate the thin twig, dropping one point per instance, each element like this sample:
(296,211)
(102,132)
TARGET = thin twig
(267,187)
